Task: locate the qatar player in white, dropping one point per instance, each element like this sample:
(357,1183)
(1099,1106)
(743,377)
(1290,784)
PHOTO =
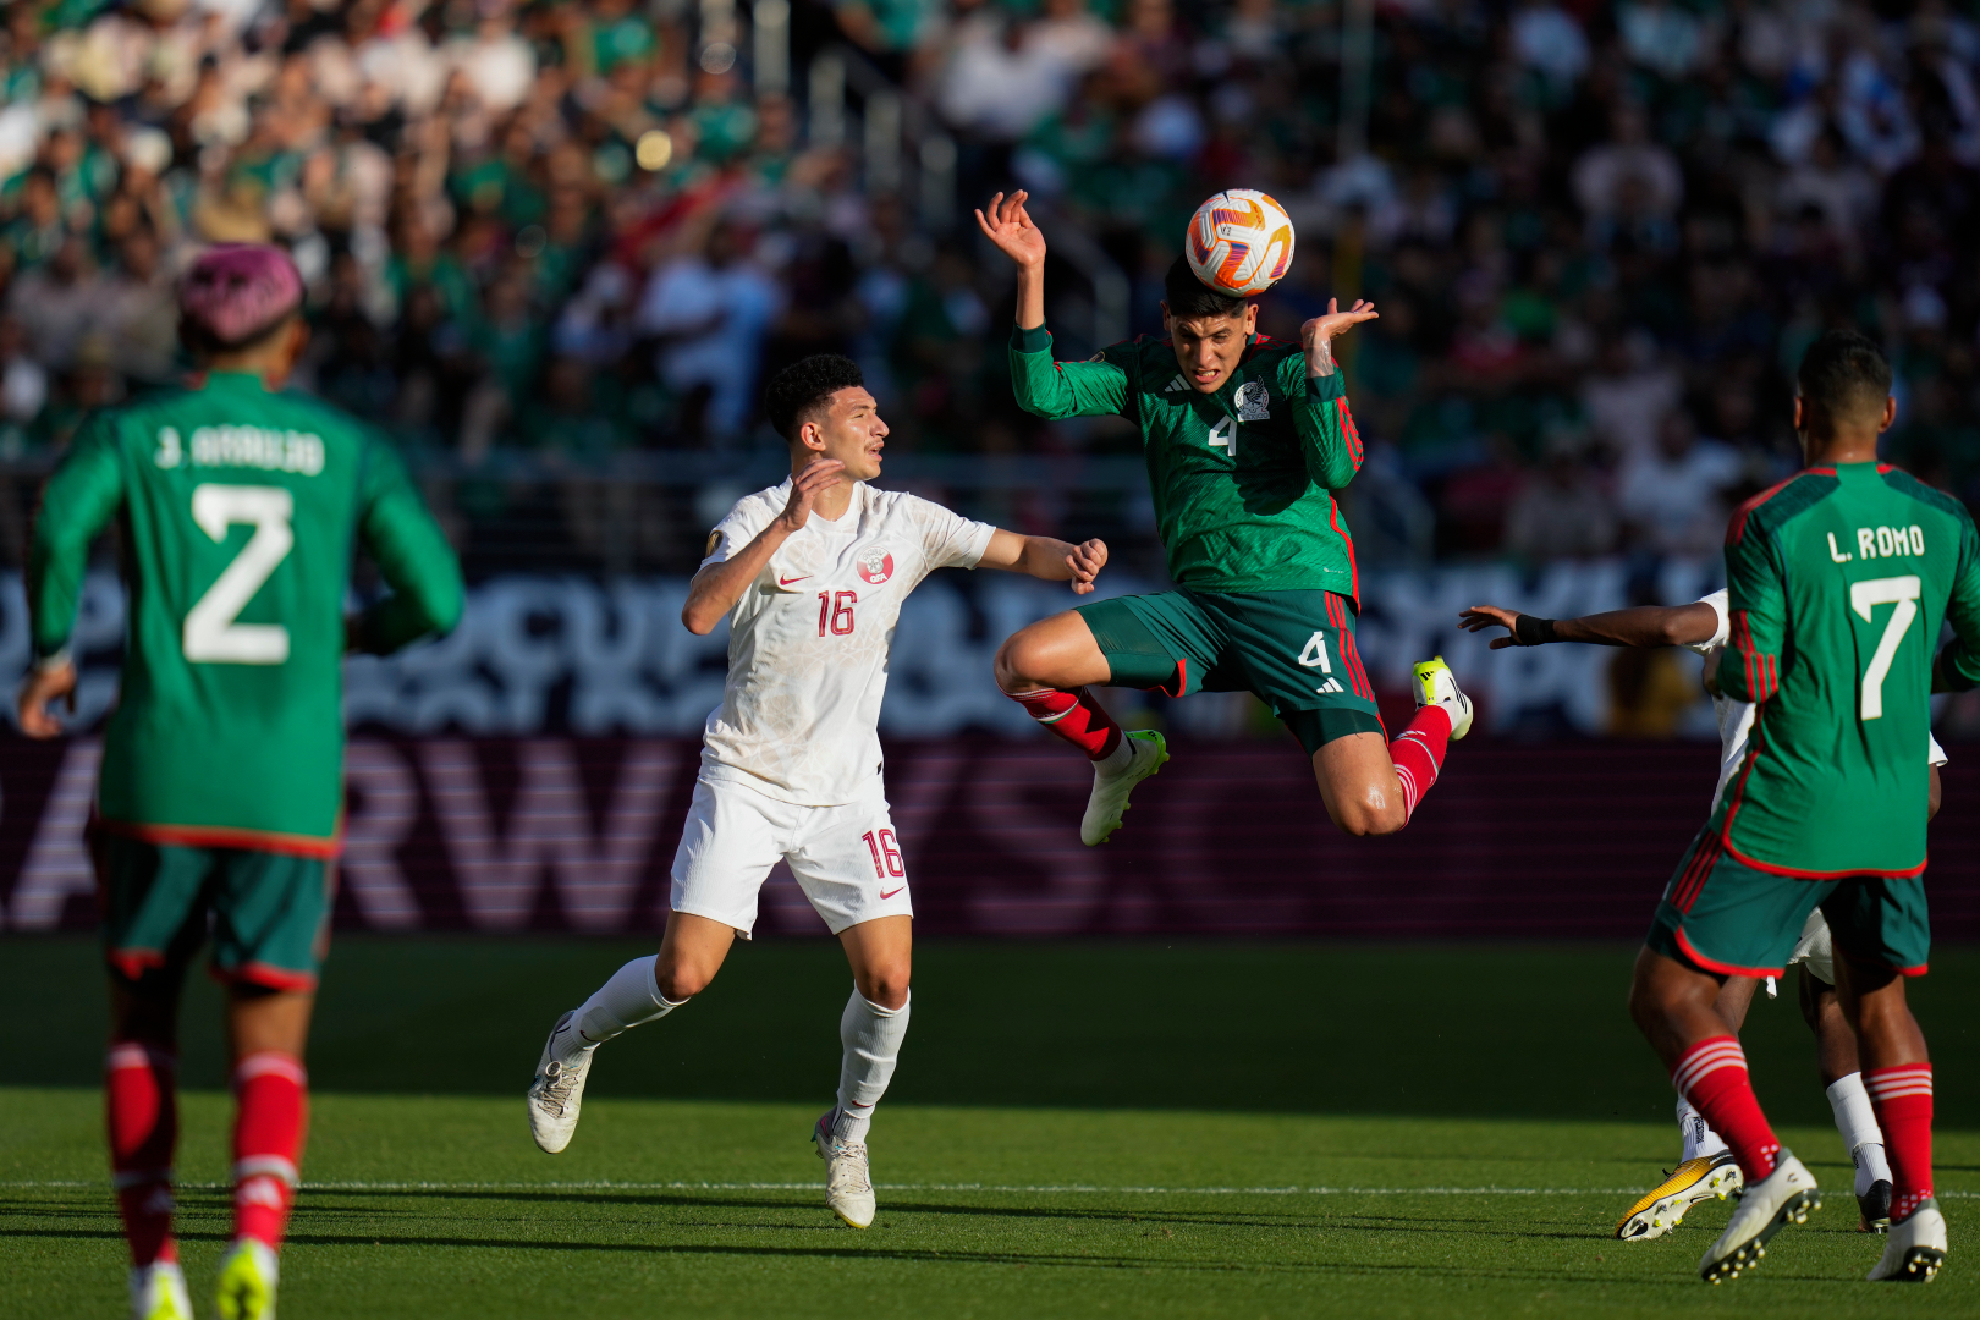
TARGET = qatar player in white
(811,575)
(1707,1169)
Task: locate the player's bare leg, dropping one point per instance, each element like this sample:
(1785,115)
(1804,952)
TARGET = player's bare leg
(1046,667)
(266,1031)
(1676,1007)
(1706,1169)
(875,1022)
(644,990)
(1898,1075)
(1842,1080)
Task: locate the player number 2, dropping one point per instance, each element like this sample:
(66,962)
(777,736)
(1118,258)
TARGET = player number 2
(1865,596)
(835,610)
(884,847)
(211,634)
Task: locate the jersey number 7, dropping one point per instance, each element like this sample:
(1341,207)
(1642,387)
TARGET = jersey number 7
(211,634)
(1863,597)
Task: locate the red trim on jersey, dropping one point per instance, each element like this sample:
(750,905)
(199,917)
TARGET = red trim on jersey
(134,963)
(1794,873)
(1919,970)
(1691,952)
(220,836)
(1354,568)
(1357,673)
(1181,681)
(1692,881)
(1349,431)
(1737,527)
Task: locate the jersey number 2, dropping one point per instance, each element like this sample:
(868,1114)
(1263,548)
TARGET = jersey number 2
(212,636)
(1863,597)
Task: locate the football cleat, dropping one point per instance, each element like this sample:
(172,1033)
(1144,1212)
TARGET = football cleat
(158,1292)
(1783,1197)
(848,1179)
(248,1276)
(558,1091)
(1663,1206)
(1916,1249)
(1876,1207)
(1435,685)
(1111,787)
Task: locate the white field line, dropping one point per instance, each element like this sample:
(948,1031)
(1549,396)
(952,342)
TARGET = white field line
(1035,1189)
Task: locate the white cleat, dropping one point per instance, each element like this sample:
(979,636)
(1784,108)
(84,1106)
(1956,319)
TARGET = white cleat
(848,1179)
(1435,685)
(1111,787)
(1664,1206)
(558,1091)
(1916,1249)
(1783,1197)
(158,1292)
(248,1275)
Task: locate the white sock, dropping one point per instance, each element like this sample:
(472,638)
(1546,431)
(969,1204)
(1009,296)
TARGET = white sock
(1857,1122)
(1699,1138)
(1120,758)
(872,1036)
(630,998)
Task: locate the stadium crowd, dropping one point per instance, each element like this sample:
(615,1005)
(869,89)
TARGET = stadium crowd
(555,245)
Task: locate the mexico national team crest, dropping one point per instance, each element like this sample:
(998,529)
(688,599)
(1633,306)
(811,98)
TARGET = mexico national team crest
(875,565)
(1251,398)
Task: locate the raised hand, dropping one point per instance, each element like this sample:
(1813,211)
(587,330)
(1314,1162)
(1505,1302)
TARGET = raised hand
(1010,227)
(1086,561)
(1316,336)
(1480,617)
(806,486)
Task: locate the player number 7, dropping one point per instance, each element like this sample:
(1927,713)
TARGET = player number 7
(1865,596)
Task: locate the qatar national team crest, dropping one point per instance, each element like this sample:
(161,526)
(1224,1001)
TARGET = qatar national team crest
(875,565)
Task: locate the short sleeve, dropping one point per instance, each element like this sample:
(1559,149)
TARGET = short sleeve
(948,539)
(1934,754)
(743,524)
(1718,601)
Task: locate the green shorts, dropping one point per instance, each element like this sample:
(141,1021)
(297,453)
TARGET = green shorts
(268,913)
(1294,650)
(1719,914)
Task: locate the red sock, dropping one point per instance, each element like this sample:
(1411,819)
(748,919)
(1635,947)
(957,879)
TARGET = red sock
(1902,1097)
(1712,1075)
(141,1105)
(271,1100)
(1418,752)
(1074,715)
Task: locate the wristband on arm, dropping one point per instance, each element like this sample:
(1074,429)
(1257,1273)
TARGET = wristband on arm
(1532,630)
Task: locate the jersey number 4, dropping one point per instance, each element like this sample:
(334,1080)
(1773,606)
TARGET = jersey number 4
(1865,596)
(212,635)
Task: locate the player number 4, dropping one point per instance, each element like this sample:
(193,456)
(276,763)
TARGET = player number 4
(211,634)
(1866,596)
(1224,436)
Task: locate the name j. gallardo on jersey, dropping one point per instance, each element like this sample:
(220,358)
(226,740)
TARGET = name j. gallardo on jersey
(809,639)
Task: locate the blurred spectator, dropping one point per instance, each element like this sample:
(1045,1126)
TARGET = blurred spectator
(1673,495)
(710,310)
(1561,511)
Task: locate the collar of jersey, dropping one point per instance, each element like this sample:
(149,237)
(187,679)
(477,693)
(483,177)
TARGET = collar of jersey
(237,380)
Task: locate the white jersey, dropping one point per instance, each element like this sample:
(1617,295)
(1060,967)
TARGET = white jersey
(1736,717)
(809,639)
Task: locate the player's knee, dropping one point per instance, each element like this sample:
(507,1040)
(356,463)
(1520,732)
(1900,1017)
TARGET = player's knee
(681,982)
(1017,659)
(885,986)
(1369,816)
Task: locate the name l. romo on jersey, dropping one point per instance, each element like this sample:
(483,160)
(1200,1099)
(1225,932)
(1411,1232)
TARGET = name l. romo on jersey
(1881,543)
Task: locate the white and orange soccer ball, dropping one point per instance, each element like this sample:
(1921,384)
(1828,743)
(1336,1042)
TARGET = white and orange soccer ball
(1240,242)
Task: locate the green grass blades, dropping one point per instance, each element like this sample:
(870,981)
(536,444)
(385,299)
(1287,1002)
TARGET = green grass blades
(437,1207)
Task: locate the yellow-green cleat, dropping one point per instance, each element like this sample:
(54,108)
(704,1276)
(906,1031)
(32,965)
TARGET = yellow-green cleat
(1435,685)
(248,1276)
(158,1292)
(1109,800)
(1663,1207)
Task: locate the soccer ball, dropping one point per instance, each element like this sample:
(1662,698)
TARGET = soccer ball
(1240,242)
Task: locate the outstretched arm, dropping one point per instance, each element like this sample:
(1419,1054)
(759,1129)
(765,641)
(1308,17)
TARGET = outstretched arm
(1044,387)
(1047,558)
(1643,626)
(1010,227)
(1326,427)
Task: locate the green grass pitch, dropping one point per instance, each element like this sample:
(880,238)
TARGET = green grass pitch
(1241,1131)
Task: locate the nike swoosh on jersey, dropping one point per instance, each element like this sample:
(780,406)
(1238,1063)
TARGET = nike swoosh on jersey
(889,893)
(783,581)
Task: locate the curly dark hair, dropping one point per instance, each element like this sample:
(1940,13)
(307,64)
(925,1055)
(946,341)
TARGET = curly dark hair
(1844,374)
(796,391)
(1189,297)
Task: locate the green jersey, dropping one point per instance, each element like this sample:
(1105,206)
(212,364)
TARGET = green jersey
(1243,479)
(1840,580)
(238,510)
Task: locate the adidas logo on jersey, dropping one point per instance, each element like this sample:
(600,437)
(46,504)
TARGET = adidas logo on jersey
(1177,384)
(1331,685)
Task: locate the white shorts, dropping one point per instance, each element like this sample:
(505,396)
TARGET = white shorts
(1816,948)
(847,858)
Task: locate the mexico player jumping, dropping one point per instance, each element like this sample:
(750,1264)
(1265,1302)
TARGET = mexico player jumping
(811,575)
(1246,442)
(221,795)
(1706,1168)
(1840,580)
